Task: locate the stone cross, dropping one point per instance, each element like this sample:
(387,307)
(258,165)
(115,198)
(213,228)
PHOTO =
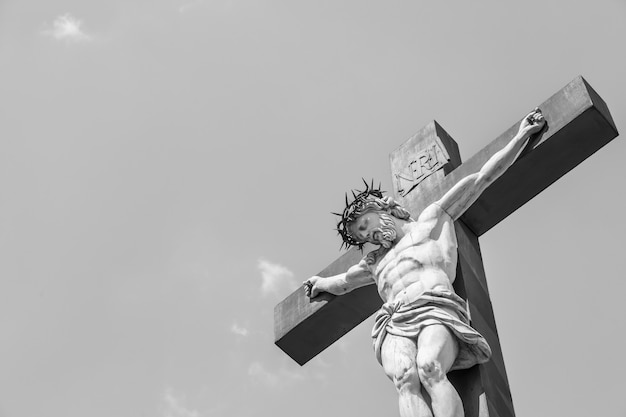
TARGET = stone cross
(423,169)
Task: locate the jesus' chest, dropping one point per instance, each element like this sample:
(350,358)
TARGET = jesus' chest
(421,249)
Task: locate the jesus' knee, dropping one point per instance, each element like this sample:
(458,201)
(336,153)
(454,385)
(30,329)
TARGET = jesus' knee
(430,372)
(406,379)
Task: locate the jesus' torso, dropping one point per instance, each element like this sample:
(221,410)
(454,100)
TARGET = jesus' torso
(423,259)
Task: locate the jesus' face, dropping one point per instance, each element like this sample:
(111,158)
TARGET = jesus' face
(374,227)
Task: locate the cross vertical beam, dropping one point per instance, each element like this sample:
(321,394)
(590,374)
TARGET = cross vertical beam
(484,389)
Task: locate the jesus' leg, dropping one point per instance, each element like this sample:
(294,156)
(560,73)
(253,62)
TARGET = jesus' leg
(399,362)
(436,351)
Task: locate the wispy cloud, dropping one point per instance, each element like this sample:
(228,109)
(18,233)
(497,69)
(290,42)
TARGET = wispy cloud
(276,279)
(258,373)
(67,28)
(239,330)
(174,406)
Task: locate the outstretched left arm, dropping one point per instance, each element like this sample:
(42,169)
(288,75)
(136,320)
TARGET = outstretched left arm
(460,197)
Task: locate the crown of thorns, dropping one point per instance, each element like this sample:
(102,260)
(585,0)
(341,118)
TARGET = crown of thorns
(352,209)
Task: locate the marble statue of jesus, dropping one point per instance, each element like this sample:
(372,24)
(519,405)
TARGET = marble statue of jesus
(422,331)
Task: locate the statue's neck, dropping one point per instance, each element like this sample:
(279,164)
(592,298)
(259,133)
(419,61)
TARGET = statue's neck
(402,228)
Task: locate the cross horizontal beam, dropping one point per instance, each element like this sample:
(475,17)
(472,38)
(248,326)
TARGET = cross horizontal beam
(579,124)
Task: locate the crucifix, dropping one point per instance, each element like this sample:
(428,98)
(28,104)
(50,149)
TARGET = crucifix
(424,170)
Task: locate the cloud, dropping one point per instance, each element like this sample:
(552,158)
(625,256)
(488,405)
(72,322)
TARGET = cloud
(258,373)
(276,279)
(239,330)
(68,28)
(174,406)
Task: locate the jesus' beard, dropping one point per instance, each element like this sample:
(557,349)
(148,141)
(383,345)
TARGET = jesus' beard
(387,231)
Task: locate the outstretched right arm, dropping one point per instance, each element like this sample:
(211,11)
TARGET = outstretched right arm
(357,276)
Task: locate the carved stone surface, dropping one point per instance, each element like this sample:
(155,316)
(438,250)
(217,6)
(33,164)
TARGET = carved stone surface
(410,164)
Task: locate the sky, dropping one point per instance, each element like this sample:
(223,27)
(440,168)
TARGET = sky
(168,169)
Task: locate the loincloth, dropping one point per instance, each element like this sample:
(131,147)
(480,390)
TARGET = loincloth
(432,307)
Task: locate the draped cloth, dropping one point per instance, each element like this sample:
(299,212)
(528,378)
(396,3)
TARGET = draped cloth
(432,307)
